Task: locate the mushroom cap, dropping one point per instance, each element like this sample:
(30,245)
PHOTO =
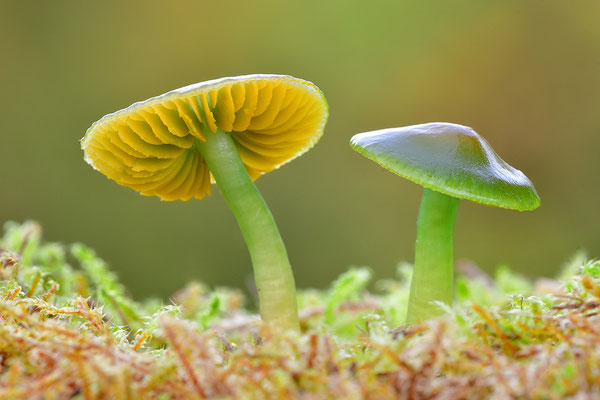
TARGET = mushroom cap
(149,146)
(451,159)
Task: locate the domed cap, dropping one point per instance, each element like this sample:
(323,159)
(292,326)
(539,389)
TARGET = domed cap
(149,146)
(451,159)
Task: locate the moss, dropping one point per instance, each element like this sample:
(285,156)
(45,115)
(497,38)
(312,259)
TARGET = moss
(69,330)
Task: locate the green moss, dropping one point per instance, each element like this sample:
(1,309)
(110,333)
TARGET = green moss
(70,330)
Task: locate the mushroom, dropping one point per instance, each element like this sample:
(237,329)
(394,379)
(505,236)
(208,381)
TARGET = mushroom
(451,162)
(229,131)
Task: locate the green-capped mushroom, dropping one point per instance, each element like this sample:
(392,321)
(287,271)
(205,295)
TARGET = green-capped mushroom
(451,162)
(229,131)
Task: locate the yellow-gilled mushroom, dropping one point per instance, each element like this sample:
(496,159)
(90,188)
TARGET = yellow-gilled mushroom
(229,131)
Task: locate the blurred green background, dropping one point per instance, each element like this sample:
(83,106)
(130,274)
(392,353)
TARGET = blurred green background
(524,74)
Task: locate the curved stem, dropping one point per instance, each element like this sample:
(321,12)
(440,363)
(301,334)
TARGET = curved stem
(433,275)
(272,270)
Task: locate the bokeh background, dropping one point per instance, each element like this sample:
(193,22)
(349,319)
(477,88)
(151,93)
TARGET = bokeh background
(524,74)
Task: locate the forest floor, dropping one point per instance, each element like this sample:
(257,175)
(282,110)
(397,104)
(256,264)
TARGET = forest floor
(69,330)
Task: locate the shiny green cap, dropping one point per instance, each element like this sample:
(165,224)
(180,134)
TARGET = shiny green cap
(452,159)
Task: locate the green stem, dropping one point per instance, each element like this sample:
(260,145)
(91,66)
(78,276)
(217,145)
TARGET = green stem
(272,270)
(433,275)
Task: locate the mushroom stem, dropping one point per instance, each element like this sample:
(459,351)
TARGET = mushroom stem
(433,274)
(272,270)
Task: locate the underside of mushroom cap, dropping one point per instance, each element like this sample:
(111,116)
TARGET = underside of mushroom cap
(452,159)
(149,146)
